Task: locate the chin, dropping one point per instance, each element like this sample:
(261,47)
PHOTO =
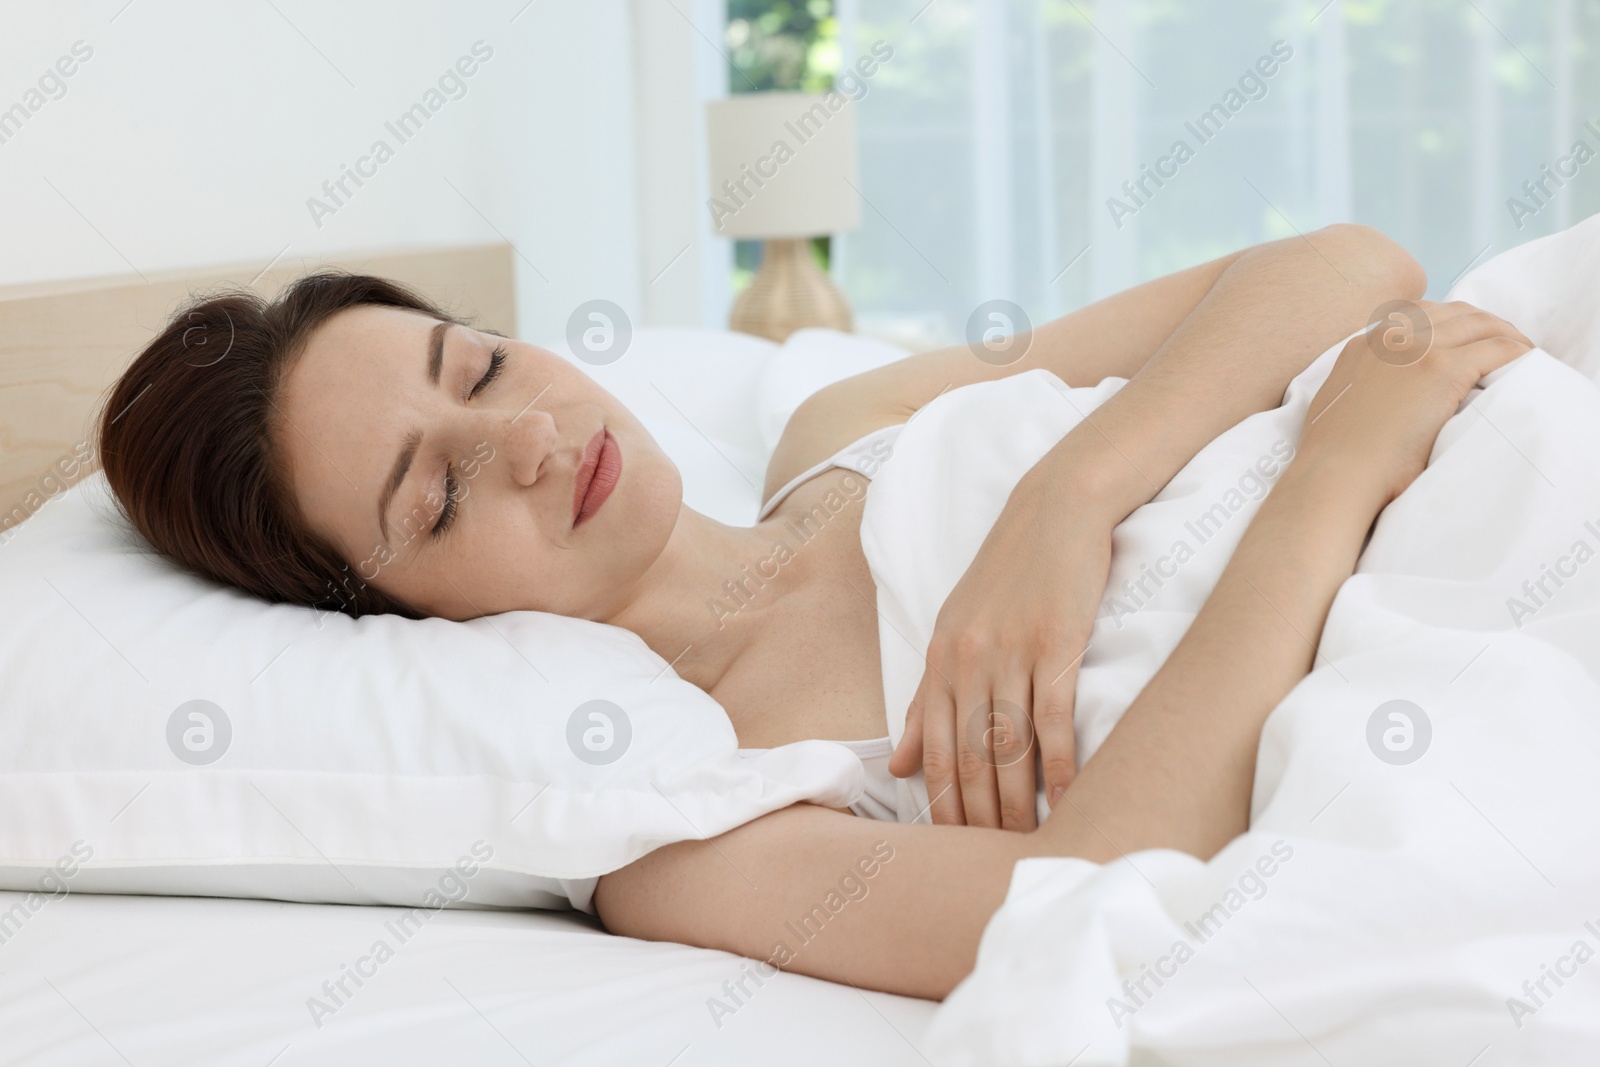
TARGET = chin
(656,501)
(662,484)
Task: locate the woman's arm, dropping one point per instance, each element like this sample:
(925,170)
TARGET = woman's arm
(1277,301)
(1015,627)
(794,889)
(1175,773)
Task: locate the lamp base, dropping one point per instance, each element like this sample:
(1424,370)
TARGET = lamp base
(789,293)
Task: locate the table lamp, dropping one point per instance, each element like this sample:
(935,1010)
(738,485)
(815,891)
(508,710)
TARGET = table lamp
(783,170)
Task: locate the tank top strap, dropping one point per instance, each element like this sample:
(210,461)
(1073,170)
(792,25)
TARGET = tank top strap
(865,456)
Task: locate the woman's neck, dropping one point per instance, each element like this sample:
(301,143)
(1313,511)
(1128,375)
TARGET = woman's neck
(697,606)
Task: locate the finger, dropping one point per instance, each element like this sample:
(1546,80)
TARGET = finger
(1492,353)
(907,757)
(1054,699)
(1458,322)
(945,805)
(1440,312)
(1011,746)
(1510,330)
(1448,309)
(1474,324)
(1469,364)
(975,770)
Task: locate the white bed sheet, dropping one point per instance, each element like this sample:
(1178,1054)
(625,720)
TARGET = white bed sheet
(98,979)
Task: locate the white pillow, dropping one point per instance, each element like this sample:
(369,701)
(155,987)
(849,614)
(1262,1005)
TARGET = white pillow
(709,376)
(377,761)
(809,360)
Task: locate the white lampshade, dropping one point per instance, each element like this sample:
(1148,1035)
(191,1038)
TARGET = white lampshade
(782,165)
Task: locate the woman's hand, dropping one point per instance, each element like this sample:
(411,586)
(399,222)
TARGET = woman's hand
(1393,388)
(1011,634)
(1002,664)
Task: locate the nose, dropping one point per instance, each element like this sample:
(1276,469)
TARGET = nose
(527,440)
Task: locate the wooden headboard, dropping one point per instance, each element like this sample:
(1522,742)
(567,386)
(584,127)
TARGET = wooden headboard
(62,345)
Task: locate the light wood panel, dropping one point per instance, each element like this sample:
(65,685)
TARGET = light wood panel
(63,344)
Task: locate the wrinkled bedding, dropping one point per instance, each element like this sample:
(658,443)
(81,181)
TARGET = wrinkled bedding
(1421,882)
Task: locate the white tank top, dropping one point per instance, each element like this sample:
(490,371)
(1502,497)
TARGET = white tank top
(866,457)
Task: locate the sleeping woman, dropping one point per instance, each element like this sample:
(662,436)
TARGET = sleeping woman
(319,450)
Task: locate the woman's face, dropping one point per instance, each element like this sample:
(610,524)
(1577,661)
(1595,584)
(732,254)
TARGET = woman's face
(446,465)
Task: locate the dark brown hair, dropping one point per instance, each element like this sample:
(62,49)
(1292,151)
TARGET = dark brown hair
(187,437)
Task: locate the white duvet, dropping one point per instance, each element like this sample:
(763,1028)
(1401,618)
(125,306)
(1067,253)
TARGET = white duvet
(1421,882)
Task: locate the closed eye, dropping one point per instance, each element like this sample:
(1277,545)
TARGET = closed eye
(452,485)
(447,514)
(497,360)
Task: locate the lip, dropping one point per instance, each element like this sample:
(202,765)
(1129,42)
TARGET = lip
(596,476)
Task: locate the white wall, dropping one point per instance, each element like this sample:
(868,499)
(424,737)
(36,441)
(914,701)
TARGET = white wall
(677,68)
(197,131)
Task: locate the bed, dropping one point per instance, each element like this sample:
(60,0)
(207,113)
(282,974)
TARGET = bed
(100,978)
(1430,906)
(96,978)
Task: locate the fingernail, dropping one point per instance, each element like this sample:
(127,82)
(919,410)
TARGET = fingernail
(1055,795)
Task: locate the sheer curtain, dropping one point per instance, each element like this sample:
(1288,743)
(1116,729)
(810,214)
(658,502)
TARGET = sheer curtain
(1029,150)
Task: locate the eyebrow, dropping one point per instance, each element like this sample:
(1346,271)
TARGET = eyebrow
(408,450)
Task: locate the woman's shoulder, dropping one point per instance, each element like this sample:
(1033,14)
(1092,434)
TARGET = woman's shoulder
(829,423)
(863,456)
